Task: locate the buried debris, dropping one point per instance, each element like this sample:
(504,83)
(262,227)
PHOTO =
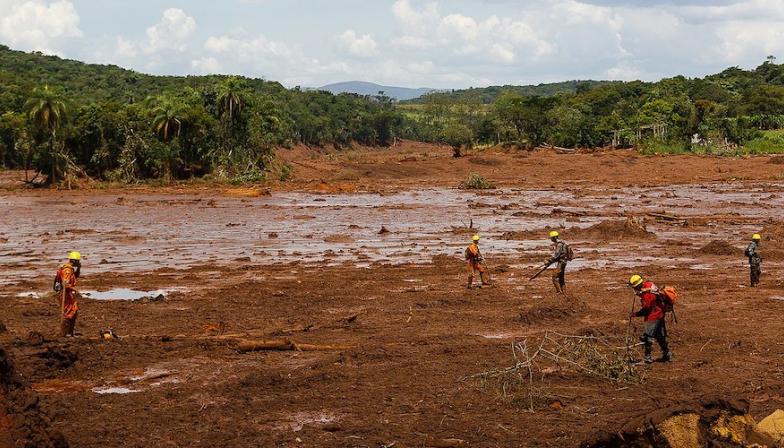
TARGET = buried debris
(714,422)
(717,247)
(244,346)
(524,383)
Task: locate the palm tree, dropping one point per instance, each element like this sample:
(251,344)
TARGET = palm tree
(168,115)
(46,109)
(230,98)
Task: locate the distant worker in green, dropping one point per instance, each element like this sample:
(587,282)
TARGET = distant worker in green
(562,254)
(755,259)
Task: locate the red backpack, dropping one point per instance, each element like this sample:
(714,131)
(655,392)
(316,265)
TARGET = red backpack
(668,296)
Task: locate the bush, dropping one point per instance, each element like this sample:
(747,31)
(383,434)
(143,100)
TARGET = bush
(286,172)
(476,182)
(251,176)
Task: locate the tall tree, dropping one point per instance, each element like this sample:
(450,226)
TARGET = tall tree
(46,109)
(168,115)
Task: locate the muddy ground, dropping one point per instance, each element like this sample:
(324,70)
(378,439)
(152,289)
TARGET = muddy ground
(305,261)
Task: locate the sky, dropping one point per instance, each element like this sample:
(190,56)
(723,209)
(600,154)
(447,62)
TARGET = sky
(412,43)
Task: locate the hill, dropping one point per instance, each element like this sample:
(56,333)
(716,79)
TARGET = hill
(488,95)
(371,89)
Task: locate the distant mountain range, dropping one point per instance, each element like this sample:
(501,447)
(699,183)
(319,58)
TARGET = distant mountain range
(369,88)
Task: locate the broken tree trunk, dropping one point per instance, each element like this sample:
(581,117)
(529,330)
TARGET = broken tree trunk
(245,346)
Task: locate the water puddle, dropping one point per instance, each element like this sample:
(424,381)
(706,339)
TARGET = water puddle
(113,390)
(29,295)
(126,294)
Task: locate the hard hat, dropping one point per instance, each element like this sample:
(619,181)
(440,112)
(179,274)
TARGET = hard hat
(635,281)
(74,255)
(554,234)
(475,238)
(756,237)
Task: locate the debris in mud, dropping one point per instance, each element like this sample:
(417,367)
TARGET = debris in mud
(22,422)
(631,228)
(3,328)
(151,299)
(776,160)
(711,422)
(717,247)
(383,230)
(35,338)
(525,383)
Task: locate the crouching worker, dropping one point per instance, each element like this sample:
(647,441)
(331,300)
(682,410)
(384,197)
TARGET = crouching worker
(476,263)
(65,286)
(653,310)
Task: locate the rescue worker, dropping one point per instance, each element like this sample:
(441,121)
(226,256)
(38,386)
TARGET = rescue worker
(65,286)
(653,311)
(561,256)
(755,259)
(476,263)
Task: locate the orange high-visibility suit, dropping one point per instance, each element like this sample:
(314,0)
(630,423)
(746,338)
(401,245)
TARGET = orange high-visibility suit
(475,264)
(67,277)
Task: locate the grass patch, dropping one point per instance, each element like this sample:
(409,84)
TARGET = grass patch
(476,182)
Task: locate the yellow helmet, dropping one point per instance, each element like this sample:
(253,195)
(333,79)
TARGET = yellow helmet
(635,281)
(554,234)
(756,237)
(475,238)
(74,255)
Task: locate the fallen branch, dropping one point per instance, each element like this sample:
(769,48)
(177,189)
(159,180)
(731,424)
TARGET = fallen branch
(244,346)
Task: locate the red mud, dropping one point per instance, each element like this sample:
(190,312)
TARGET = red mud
(407,333)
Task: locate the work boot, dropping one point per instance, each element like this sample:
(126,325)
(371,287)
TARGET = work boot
(667,357)
(648,359)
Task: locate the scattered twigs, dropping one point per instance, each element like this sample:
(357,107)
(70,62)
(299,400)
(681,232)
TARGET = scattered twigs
(524,381)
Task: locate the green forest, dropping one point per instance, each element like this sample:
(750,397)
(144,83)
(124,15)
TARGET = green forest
(61,117)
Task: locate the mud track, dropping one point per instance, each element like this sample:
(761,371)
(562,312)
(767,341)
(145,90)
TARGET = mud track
(307,263)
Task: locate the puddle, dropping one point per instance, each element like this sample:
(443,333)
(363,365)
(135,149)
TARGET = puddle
(29,295)
(113,390)
(124,294)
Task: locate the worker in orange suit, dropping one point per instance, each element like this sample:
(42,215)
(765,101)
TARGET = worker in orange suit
(65,287)
(476,263)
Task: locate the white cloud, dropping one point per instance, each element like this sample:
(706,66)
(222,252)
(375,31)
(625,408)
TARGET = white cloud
(360,46)
(38,24)
(207,66)
(171,33)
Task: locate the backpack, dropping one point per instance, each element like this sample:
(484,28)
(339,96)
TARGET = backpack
(569,252)
(668,296)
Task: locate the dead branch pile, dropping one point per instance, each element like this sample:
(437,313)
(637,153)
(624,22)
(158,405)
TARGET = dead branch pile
(526,382)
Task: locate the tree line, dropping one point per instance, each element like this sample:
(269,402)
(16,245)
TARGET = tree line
(733,109)
(59,117)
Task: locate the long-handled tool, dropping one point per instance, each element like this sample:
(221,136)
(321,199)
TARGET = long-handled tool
(541,271)
(629,329)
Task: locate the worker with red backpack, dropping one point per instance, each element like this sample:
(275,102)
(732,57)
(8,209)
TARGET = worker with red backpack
(656,303)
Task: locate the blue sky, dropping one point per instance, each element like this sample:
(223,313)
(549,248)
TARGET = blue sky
(414,43)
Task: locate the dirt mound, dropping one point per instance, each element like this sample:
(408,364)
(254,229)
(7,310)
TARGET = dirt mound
(549,310)
(22,421)
(711,422)
(717,247)
(58,358)
(631,228)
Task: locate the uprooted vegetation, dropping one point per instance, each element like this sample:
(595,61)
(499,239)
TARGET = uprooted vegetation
(527,382)
(476,182)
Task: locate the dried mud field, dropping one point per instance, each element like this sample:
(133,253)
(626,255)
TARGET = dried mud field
(397,335)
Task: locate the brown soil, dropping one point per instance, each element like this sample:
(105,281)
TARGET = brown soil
(717,247)
(22,424)
(627,229)
(396,333)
